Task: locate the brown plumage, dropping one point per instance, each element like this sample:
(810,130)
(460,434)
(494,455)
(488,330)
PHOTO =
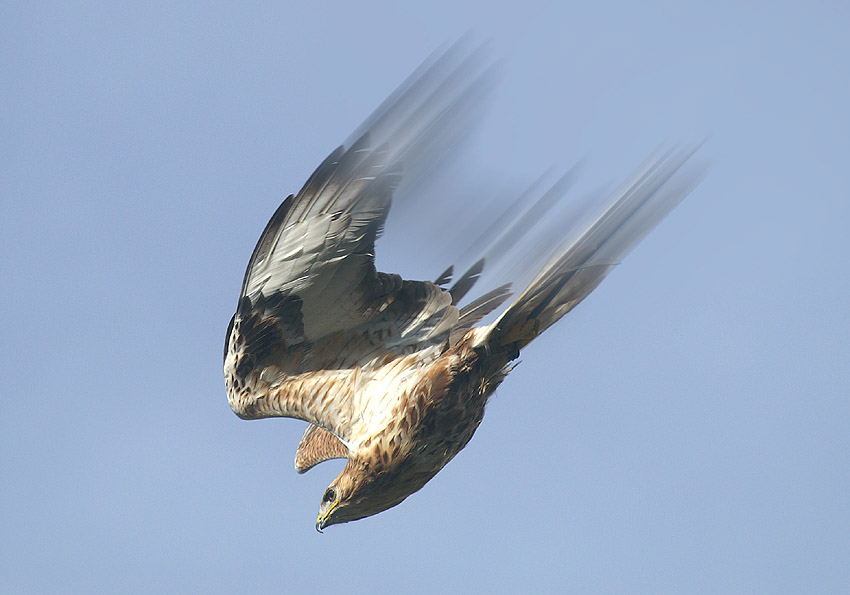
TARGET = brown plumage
(393,374)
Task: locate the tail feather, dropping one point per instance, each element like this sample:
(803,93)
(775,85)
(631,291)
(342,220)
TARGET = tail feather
(583,260)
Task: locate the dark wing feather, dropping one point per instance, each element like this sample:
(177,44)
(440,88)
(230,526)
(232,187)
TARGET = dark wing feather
(446,277)
(472,313)
(589,253)
(465,283)
(312,299)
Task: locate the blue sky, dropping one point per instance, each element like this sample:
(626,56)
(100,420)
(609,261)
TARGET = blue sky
(684,430)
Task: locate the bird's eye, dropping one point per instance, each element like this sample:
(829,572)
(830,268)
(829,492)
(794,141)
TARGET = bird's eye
(330,495)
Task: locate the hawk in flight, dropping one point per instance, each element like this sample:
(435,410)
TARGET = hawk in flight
(392,374)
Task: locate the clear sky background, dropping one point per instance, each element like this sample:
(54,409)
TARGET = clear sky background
(686,429)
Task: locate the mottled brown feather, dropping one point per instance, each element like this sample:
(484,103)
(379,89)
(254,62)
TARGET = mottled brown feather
(317,446)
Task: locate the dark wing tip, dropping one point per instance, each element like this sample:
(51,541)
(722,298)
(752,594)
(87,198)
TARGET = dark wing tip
(446,277)
(465,283)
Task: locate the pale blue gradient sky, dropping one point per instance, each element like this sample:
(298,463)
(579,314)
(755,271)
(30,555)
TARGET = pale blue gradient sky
(686,429)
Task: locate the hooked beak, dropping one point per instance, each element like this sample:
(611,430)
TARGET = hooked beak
(324,515)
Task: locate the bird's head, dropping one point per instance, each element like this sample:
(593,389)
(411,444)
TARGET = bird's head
(361,491)
(331,507)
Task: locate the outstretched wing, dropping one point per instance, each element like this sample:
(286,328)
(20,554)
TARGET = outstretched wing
(320,245)
(312,299)
(592,250)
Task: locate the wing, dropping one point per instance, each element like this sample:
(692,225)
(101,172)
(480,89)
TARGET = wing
(317,445)
(593,248)
(320,244)
(312,300)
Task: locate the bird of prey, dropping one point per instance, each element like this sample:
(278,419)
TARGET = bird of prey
(393,374)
